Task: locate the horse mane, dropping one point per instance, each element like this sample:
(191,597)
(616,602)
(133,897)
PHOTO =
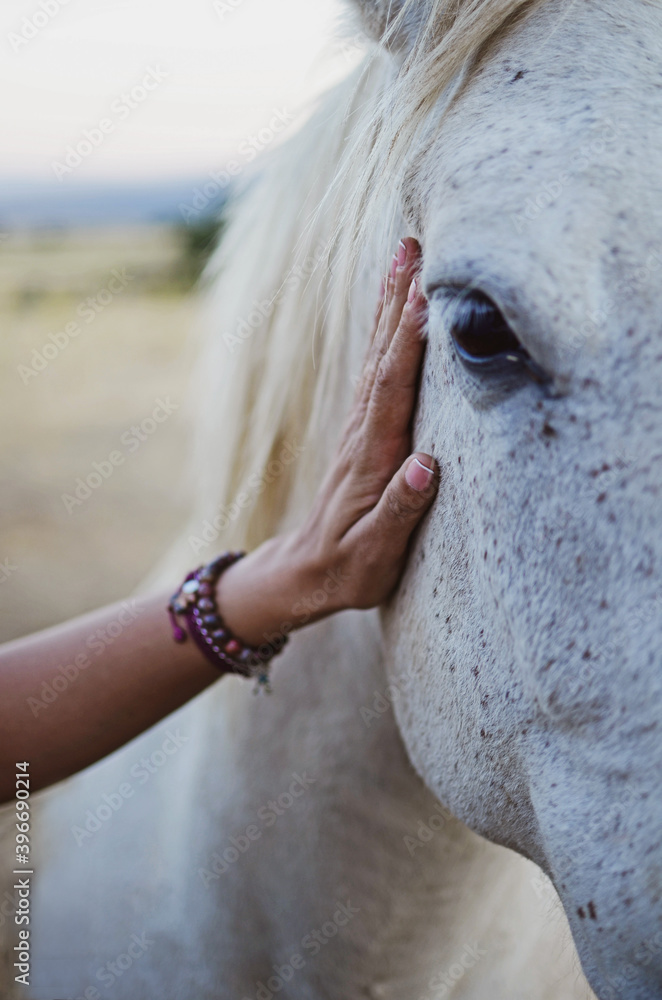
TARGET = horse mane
(310,232)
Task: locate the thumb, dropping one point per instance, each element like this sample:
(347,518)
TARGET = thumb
(406,498)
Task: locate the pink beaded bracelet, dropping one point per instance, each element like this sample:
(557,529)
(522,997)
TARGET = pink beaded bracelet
(195,601)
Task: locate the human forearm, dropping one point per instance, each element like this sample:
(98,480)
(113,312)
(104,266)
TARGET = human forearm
(84,688)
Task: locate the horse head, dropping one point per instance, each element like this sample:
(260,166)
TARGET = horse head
(523,642)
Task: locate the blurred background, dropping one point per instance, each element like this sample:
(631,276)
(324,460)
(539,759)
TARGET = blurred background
(123,127)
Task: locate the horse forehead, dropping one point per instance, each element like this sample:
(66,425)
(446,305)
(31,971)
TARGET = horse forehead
(554,145)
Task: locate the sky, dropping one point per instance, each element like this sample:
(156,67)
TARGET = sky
(145,90)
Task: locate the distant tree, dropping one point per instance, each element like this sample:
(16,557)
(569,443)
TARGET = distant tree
(198,241)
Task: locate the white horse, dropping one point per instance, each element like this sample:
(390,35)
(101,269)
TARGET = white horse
(285,845)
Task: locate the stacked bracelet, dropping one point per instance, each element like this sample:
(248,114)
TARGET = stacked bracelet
(195,601)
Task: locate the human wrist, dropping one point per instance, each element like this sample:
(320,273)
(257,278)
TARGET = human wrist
(261,596)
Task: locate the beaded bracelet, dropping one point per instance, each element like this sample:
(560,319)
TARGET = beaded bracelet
(196,603)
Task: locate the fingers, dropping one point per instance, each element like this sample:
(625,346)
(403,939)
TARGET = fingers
(408,265)
(405,264)
(404,501)
(395,384)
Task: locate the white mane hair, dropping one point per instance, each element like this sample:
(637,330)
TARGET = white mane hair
(320,217)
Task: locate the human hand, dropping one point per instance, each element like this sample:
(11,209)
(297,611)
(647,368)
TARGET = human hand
(353,546)
(376,492)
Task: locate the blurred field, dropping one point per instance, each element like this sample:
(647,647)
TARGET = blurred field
(128,353)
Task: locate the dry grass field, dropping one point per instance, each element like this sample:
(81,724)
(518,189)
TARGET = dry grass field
(95,329)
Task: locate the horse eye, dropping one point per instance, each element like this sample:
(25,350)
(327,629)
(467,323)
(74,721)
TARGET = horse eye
(482,336)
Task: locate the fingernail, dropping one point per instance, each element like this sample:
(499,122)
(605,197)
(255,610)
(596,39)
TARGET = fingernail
(412,291)
(394,264)
(418,475)
(402,254)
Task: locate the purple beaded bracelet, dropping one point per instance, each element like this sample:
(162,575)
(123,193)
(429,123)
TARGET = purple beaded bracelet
(196,603)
